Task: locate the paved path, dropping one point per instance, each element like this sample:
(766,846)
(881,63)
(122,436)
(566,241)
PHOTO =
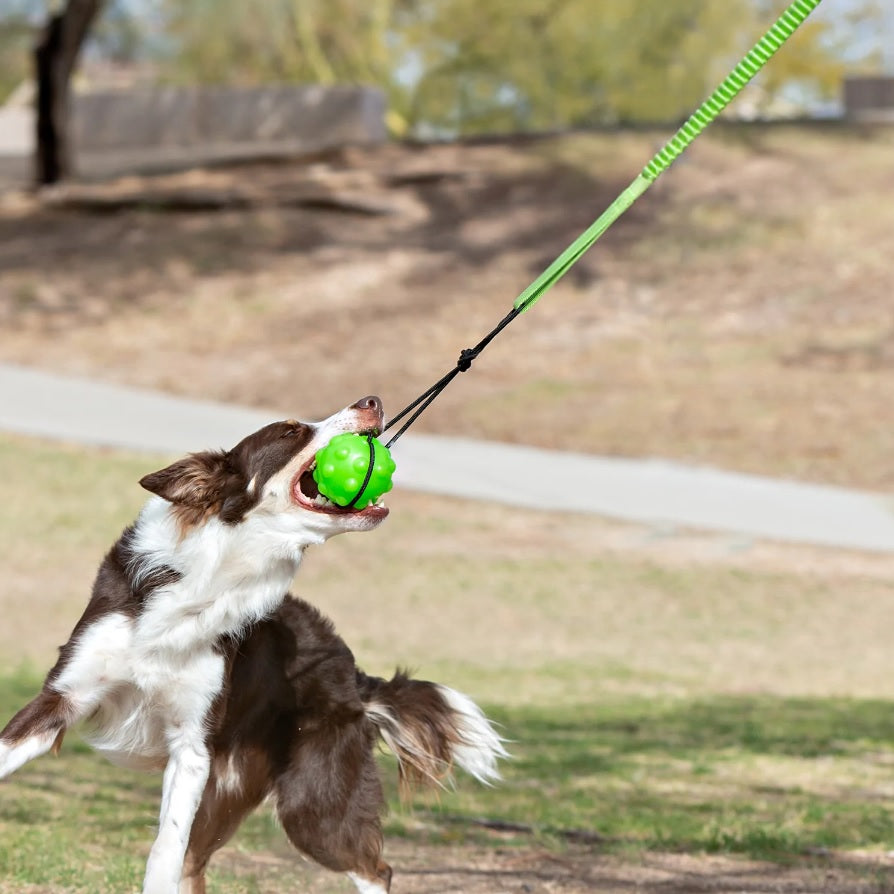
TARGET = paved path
(651,491)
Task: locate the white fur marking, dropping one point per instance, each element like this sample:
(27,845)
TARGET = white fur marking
(481,747)
(228,780)
(184,782)
(185,775)
(230,575)
(100,660)
(365,885)
(15,756)
(478,750)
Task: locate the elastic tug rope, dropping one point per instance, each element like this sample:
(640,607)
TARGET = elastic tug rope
(369,471)
(753,61)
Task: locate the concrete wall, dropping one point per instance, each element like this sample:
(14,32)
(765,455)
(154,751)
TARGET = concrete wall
(170,126)
(167,127)
(869,99)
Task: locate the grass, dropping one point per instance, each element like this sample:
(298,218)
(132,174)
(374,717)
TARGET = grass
(764,777)
(660,692)
(770,778)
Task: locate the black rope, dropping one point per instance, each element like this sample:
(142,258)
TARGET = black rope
(467,355)
(369,472)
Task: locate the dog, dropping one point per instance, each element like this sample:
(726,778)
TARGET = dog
(192,658)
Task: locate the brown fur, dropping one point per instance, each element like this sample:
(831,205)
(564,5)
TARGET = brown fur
(292,723)
(214,483)
(429,728)
(50,712)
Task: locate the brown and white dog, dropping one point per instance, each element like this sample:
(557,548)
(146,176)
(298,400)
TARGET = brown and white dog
(192,658)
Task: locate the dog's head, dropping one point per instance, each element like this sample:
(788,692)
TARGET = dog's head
(270,474)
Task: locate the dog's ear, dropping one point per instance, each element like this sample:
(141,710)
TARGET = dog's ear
(200,481)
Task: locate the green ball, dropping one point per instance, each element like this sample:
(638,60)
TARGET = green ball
(342,465)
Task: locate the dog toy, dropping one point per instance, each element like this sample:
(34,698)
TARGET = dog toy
(354,470)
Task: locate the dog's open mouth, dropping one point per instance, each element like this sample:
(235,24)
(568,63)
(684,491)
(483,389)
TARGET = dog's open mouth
(307,493)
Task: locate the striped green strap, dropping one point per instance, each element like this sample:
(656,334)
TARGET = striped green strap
(750,65)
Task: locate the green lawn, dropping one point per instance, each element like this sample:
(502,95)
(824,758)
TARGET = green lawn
(766,777)
(730,702)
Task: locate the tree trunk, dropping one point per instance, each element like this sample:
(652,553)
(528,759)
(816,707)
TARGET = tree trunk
(55,56)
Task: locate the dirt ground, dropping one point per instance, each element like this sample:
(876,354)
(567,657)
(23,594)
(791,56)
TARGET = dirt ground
(578,872)
(739,315)
(466,870)
(420,869)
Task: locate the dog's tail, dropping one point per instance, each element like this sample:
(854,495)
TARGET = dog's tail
(431,728)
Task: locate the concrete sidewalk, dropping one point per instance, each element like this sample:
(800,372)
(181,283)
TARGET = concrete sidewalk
(651,492)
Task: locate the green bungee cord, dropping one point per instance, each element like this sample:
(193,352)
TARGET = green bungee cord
(340,469)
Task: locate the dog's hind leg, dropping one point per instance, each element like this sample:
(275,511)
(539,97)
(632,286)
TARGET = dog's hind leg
(330,803)
(379,884)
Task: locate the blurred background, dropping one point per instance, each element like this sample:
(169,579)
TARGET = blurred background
(285,205)
(258,189)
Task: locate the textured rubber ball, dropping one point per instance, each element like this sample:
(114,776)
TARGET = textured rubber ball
(342,465)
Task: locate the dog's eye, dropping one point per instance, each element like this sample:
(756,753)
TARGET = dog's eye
(294,428)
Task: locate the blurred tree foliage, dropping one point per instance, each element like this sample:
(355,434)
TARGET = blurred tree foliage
(533,64)
(317,41)
(470,66)
(16,37)
(119,35)
(822,54)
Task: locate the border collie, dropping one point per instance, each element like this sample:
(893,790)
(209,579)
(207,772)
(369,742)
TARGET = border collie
(192,658)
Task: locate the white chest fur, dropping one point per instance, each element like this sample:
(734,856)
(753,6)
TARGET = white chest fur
(150,678)
(229,576)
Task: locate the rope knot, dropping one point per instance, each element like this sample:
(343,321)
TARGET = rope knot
(466,356)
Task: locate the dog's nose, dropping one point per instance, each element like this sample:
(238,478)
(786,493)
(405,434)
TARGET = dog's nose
(369,403)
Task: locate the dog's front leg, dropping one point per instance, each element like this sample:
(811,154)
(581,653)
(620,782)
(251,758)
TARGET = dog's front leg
(184,781)
(191,689)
